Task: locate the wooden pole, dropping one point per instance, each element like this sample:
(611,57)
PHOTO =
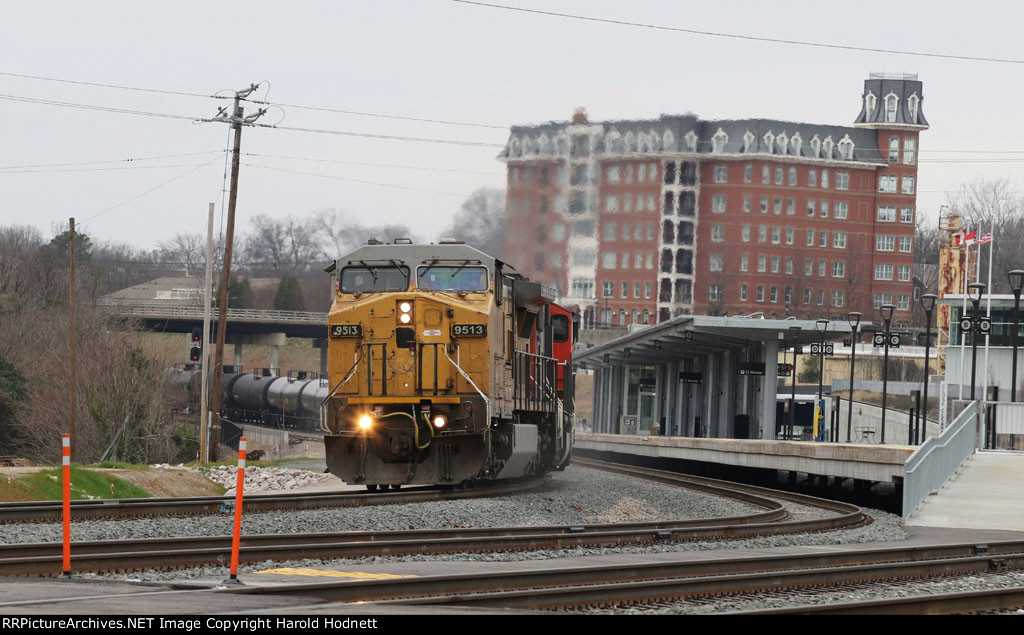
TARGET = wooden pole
(204,404)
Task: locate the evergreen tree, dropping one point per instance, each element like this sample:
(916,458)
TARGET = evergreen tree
(289,294)
(13,391)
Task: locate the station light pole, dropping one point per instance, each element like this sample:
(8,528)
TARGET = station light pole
(886,311)
(821,326)
(974,292)
(1016,278)
(854,319)
(928,304)
(795,332)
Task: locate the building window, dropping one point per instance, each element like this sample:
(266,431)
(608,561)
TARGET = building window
(886,214)
(748,172)
(885,242)
(823,239)
(903,302)
(627,203)
(810,237)
(807,296)
(789,235)
(638,260)
(887,183)
(777,207)
(649,261)
(906,214)
(816,146)
(824,179)
(715,262)
(721,173)
(824,209)
(556,260)
(626,230)
(774,294)
(611,204)
(839,240)
(809,267)
(810,206)
(838,268)
(789,266)
(792,176)
(764,204)
(760,293)
(882,298)
(746,203)
(625,290)
(762,233)
(909,150)
(822,268)
(904,273)
(718,141)
(778,175)
(908,185)
(583,257)
(842,208)
(608,261)
(894,149)
(582,288)
(636,290)
(883,272)
(745,262)
(745,233)
(891,101)
(608,230)
(647,289)
(837,298)
(842,180)
(812,178)
(612,174)
(821,297)
(625,260)
(789,295)
(905,243)
(766,174)
(718,203)
(743,293)
(718,233)
(776,235)
(846,149)
(790,206)
(608,289)
(775,264)
(762,264)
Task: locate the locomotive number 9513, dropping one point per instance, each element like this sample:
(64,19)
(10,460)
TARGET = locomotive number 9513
(346,330)
(469,330)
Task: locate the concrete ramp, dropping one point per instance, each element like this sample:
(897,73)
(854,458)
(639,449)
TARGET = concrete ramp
(986,493)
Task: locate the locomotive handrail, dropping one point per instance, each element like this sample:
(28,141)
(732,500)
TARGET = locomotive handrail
(341,382)
(487,401)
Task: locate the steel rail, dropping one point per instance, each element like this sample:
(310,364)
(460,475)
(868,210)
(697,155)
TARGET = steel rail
(453,589)
(931,604)
(50,511)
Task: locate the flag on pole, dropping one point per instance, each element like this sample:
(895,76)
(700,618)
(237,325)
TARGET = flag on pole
(985,239)
(964,237)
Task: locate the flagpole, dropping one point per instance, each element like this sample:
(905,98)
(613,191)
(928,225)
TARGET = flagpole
(965,274)
(988,310)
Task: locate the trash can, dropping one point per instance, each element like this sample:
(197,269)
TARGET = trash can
(741,425)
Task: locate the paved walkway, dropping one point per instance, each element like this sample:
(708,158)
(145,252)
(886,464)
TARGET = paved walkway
(988,493)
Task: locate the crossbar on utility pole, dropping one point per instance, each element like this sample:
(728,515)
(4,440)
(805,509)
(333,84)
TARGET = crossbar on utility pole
(237,120)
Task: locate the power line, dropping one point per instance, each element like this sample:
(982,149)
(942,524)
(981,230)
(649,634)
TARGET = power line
(374,165)
(119,87)
(383,136)
(123,111)
(128,160)
(380,115)
(149,191)
(134,167)
(736,36)
(339,178)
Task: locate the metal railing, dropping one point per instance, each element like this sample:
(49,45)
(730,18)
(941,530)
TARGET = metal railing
(246,315)
(931,465)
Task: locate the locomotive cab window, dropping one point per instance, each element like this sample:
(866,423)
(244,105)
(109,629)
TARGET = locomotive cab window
(457,278)
(560,328)
(374,279)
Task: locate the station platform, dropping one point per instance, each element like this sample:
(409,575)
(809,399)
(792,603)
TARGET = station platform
(876,463)
(985,493)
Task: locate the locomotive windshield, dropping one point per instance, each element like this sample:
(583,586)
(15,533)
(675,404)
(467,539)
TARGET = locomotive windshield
(457,278)
(372,279)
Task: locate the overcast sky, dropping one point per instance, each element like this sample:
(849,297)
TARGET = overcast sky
(436,59)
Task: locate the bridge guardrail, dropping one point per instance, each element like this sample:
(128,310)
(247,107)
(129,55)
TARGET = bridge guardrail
(927,469)
(251,315)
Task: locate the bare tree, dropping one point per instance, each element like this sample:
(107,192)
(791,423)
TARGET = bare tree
(993,206)
(345,234)
(186,250)
(287,244)
(481,222)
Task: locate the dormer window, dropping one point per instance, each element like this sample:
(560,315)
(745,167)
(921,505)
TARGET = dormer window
(912,104)
(827,147)
(691,141)
(769,141)
(816,146)
(846,148)
(718,141)
(869,105)
(894,149)
(891,101)
(795,144)
(748,140)
(780,143)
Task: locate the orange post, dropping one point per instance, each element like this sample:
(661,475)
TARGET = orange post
(66,461)
(236,536)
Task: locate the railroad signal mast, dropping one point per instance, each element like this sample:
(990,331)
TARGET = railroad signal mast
(195,353)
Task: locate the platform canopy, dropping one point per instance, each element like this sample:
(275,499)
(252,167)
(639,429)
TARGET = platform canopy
(706,334)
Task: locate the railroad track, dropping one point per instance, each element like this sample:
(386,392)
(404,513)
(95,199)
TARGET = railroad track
(102,556)
(661,584)
(50,511)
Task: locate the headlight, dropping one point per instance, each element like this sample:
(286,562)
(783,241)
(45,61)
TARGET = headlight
(440,422)
(365,422)
(405,318)
(405,307)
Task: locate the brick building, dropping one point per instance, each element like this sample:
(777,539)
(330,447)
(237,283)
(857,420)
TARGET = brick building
(639,221)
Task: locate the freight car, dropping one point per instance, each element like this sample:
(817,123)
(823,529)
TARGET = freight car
(444,367)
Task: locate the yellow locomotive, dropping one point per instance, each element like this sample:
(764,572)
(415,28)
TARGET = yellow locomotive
(444,368)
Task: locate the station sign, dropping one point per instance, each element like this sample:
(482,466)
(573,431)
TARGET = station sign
(823,349)
(686,377)
(784,370)
(984,325)
(894,340)
(752,368)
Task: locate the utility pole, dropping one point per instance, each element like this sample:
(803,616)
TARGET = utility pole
(237,120)
(204,404)
(71,340)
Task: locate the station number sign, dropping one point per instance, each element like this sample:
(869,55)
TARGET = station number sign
(826,349)
(469,330)
(784,370)
(346,330)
